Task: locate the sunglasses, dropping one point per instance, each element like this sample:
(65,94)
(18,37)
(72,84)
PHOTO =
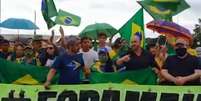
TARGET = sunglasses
(50,48)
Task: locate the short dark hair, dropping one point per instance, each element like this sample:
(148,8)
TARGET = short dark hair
(19,44)
(101,34)
(85,38)
(139,34)
(4,41)
(150,45)
(117,43)
(71,40)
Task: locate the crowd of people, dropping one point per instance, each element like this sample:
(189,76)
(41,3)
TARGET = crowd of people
(72,55)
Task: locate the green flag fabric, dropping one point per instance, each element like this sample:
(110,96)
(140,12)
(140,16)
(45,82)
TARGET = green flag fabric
(48,10)
(11,72)
(134,26)
(163,9)
(68,19)
(142,77)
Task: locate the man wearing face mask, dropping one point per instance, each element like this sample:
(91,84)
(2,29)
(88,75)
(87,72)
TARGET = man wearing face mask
(182,68)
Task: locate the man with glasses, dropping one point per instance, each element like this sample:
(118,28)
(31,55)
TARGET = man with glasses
(68,65)
(182,68)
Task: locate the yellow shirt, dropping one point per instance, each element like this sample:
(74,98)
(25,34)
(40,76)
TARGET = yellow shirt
(192,52)
(112,54)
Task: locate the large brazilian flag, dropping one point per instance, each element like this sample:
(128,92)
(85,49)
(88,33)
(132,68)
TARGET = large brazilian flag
(140,77)
(11,72)
(134,26)
(164,9)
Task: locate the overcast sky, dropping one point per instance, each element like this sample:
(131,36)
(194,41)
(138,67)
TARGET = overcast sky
(114,12)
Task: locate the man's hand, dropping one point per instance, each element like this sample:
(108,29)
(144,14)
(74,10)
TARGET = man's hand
(126,58)
(61,31)
(180,81)
(87,71)
(52,33)
(47,85)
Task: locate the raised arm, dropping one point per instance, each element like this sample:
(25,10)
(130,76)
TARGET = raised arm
(51,39)
(62,36)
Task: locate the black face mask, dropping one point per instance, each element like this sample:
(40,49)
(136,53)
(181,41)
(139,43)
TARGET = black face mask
(180,51)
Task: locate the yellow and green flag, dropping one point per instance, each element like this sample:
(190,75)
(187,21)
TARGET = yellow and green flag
(48,10)
(67,19)
(11,72)
(164,9)
(134,26)
(140,77)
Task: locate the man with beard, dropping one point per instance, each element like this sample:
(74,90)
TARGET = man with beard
(182,68)
(68,65)
(137,58)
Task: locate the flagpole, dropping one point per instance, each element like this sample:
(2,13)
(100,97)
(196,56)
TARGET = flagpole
(35,22)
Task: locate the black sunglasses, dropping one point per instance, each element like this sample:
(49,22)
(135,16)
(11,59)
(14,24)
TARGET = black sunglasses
(50,48)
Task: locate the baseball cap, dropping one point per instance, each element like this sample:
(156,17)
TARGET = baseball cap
(181,41)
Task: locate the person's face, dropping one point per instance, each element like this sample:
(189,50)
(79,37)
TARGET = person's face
(29,53)
(75,47)
(19,51)
(135,43)
(180,49)
(102,39)
(152,50)
(86,44)
(50,49)
(36,45)
(5,47)
(44,44)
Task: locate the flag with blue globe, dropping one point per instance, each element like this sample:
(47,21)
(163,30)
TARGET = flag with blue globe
(67,19)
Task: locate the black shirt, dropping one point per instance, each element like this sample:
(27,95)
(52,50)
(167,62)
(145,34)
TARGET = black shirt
(182,67)
(143,61)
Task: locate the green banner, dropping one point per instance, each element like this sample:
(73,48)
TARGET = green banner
(11,72)
(142,77)
(99,92)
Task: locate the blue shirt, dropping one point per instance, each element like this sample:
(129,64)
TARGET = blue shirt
(69,67)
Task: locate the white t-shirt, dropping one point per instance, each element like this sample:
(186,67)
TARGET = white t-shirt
(89,57)
(50,62)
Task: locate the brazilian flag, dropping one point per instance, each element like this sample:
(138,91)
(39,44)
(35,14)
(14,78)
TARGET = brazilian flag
(164,9)
(11,72)
(134,26)
(67,19)
(48,10)
(140,77)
